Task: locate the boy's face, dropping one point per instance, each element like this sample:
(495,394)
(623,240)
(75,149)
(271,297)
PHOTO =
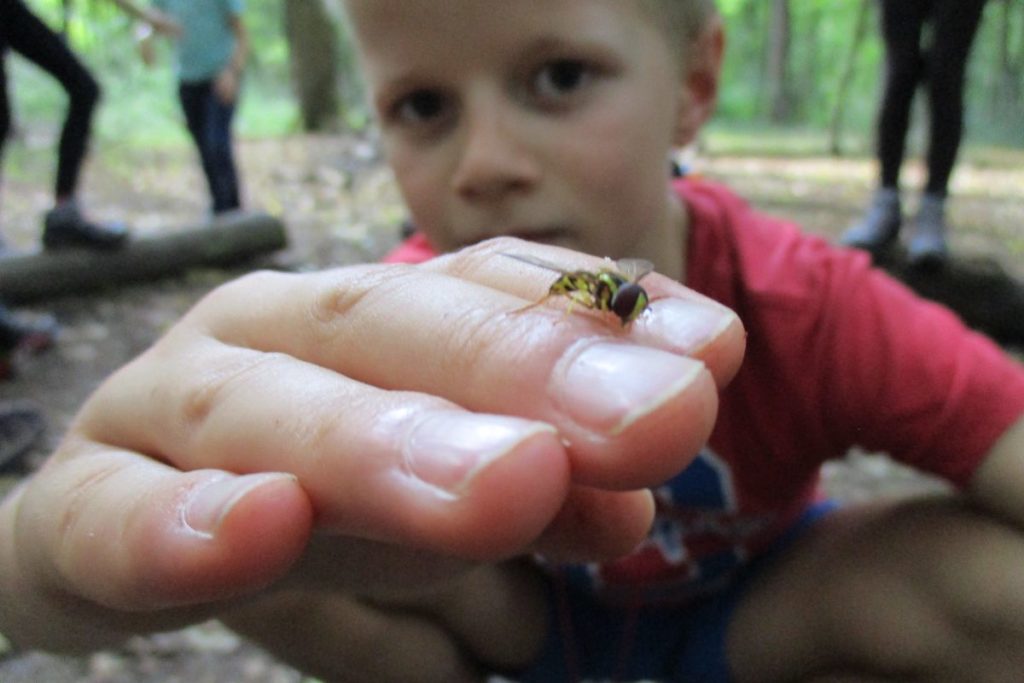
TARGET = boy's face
(549,120)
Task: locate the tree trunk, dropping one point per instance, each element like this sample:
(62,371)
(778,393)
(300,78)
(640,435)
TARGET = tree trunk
(43,274)
(780,100)
(314,55)
(835,128)
(1006,97)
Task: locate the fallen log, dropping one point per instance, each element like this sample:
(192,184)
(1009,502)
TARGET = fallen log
(978,289)
(32,276)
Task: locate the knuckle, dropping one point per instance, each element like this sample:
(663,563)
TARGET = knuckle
(204,394)
(344,292)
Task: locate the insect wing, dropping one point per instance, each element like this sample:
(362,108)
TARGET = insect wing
(634,268)
(534,261)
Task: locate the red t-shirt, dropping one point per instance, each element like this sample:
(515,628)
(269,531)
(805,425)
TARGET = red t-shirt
(838,354)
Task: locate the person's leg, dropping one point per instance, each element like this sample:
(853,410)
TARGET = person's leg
(902,27)
(64,225)
(5,108)
(194,98)
(21,425)
(219,145)
(39,44)
(8,10)
(923,590)
(955,25)
(902,23)
(15,333)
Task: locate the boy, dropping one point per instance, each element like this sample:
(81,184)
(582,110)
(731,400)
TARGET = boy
(550,120)
(553,121)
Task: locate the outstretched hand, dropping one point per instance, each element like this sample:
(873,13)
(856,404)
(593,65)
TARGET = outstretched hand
(366,431)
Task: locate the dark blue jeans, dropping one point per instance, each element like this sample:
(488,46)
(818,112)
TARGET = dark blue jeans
(209,122)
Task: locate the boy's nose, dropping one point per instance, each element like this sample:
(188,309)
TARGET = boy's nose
(495,159)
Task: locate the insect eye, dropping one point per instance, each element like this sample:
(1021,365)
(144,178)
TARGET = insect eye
(624,302)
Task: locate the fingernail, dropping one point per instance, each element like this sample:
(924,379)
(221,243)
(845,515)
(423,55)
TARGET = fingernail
(683,326)
(448,449)
(607,387)
(211,503)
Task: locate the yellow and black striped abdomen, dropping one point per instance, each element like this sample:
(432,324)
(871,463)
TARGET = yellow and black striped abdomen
(604,290)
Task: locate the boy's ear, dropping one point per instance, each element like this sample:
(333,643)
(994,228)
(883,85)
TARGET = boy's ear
(700,81)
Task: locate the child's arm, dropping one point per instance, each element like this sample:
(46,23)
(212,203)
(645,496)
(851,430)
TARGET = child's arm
(151,20)
(998,484)
(157,20)
(230,78)
(410,415)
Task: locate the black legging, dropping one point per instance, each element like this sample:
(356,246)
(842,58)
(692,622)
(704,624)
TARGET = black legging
(941,65)
(23,32)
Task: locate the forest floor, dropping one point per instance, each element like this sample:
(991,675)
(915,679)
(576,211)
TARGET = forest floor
(340,207)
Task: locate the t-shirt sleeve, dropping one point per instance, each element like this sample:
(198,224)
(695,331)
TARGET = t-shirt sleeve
(909,378)
(841,354)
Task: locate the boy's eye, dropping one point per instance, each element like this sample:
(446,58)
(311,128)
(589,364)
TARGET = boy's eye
(421,106)
(560,78)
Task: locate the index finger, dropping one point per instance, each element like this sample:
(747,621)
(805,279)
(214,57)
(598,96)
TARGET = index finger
(438,331)
(678,319)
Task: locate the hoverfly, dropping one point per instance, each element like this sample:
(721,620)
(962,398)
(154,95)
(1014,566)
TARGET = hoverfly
(610,290)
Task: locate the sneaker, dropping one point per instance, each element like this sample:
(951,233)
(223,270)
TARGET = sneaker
(23,334)
(927,247)
(65,226)
(30,334)
(21,426)
(879,227)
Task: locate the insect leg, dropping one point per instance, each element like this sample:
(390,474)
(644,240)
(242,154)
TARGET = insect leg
(533,305)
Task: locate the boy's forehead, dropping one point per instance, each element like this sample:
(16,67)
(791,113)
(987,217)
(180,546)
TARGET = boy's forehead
(398,35)
(424,17)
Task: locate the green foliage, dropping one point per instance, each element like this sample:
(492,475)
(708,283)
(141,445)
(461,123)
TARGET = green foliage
(821,42)
(140,104)
(141,107)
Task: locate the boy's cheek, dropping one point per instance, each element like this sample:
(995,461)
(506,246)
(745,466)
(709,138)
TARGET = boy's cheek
(419,188)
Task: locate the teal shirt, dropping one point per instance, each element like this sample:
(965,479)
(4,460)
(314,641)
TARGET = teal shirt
(206,42)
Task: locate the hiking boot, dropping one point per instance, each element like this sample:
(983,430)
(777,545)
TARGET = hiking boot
(927,246)
(879,227)
(65,226)
(21,426)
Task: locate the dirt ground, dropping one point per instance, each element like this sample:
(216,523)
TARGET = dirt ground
(340,207)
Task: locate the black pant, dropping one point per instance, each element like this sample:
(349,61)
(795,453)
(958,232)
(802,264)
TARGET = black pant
(23,32)
(209,122)
(940,64)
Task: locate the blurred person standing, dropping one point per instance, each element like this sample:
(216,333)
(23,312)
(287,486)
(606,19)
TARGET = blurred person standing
(927,42)
(23,32)
(212,48)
